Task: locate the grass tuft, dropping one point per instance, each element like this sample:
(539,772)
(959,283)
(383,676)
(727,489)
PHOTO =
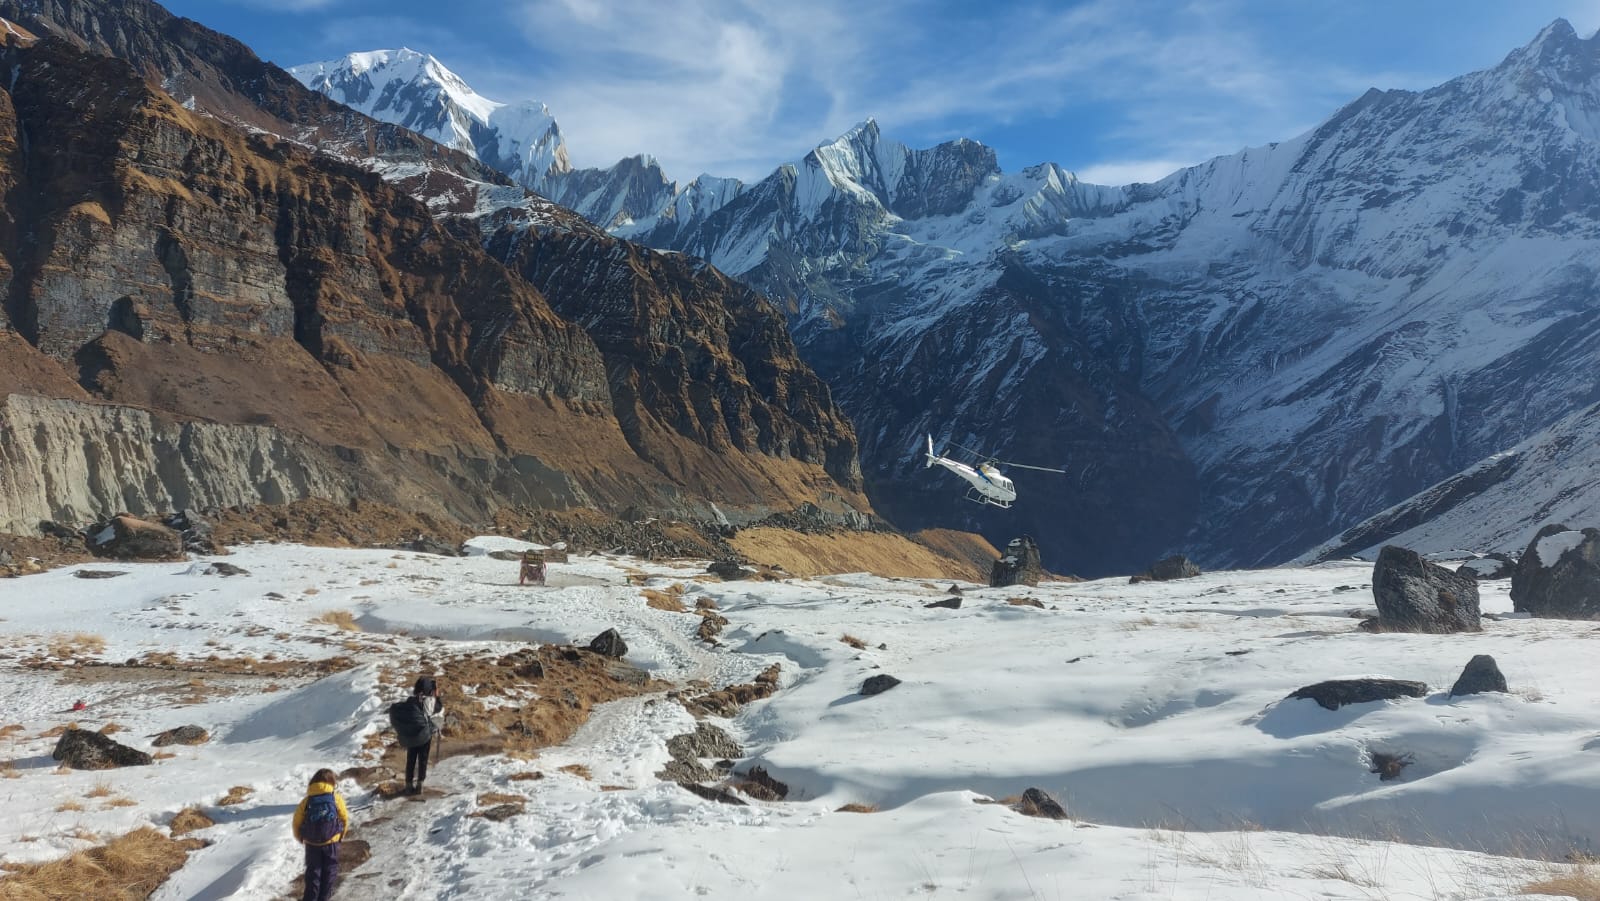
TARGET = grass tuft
(853,641)
(339,619)
(128,868)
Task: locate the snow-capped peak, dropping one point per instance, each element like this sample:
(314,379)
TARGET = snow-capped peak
(417,91)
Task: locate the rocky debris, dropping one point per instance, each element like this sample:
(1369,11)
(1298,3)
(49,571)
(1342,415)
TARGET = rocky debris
(711,624)
(720,795)
(609,643)
(1038,803)
(1336,693)
(677,770)
(1019,565)
(729,570)
(759,784)
(1025,602)
(946,604)
(625,672)
(226,569)
(1480,675)
(877,685)
(1414,595)
(1175,567)
(1559,574)
(197,532)
(583,530)
(1388,766)
(813,520)
(424,544)
(182,735)
(98,573)
(1488,567)
(60,532)
(726,702)
(129,538)
(81,749)
(705,741)
(500,812)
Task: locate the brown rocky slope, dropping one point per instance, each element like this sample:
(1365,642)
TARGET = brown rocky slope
(194,316)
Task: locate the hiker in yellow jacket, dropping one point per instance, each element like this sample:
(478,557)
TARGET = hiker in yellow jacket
(320,823)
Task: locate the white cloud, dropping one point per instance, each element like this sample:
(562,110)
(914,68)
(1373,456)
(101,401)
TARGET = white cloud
(1127,172)
(295,6)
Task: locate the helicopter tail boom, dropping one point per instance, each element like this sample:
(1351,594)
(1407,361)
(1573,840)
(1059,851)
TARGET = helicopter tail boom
(928,464)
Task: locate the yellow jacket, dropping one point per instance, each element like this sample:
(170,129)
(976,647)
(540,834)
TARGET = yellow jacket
(321,788)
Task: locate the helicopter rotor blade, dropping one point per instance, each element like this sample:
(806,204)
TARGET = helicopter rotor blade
(1026,466)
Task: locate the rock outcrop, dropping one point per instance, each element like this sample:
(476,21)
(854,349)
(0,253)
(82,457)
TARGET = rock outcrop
(1175,567)
(81,749)
(1414,595)
(609,643)
(130,538)
(1559,574)
(1019,566)
(1336,693)
(1481,674)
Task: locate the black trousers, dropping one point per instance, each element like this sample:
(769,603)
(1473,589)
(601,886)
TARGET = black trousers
(417,764)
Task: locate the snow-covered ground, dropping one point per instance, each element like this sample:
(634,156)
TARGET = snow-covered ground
(1155,712)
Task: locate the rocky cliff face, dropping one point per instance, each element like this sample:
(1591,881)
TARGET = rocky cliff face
(173,264)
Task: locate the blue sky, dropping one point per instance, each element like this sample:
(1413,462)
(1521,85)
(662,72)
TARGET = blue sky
(1116,90)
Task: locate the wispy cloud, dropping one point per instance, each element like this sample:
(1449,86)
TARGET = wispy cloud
(296,6)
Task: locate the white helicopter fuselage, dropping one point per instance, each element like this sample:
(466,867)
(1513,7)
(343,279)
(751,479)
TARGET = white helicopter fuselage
(985,479)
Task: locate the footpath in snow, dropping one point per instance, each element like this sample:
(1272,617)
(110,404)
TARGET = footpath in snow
(1154,712)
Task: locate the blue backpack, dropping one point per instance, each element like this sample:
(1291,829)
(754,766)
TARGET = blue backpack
(321,822)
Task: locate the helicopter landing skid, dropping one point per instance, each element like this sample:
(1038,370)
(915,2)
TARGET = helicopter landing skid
(977,498)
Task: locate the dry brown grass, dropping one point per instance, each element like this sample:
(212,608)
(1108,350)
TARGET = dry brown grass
(670,599)
(489,799)
(68,806)
(528,776)
(12,729)
(111,728)
(75,644)
(122,802)
(100,790)
(189,819)
(339,619)
(236,795)
(128,868)
(853,641)
(163,755)
(858,808)
(1025,602)
(1581,883)
(577,769)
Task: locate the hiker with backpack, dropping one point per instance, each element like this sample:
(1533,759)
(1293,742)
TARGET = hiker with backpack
(320,823)
(416,729)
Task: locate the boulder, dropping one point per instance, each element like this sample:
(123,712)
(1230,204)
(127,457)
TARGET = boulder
(705,741)
(759,784)
(81,749)
(677,770)
(195,530)
(1559,574)
(609,643)
(1019,566)
(1175,567)
(1038,803)
(877,685)
(226,569)
(720,795)
(1480,675)
(1336,693)
(728,570)
(424,544)
(129,538)
(1488,567)
(946,604)
(98,573)
(1414,595)
(183,735)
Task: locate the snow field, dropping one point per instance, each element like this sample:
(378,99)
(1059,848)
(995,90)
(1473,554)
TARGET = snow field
(1155,712)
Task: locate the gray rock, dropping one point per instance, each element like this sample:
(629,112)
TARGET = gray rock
(1175,567)
(1336,693)
(183,735)
(609,643)
(501,812)
(98,573)
(1019,566)
(720,795)
(81,749)
(505,555)
(130,538)
(1038,803)
(728,570)
(1414,595)
(1488,567)
(877,685)
(1559,574)
(947,604)
(226,569)
(424,544)
(1480,675)
(685,771)
(705,741)
(759,784)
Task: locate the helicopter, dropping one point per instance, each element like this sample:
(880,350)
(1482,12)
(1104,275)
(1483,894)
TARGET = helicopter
(988,484)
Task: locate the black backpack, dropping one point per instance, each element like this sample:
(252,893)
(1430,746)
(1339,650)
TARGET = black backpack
(320,825)
(411,723)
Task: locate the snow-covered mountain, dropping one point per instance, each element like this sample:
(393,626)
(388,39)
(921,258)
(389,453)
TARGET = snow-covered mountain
(416,91)
(1238,361)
